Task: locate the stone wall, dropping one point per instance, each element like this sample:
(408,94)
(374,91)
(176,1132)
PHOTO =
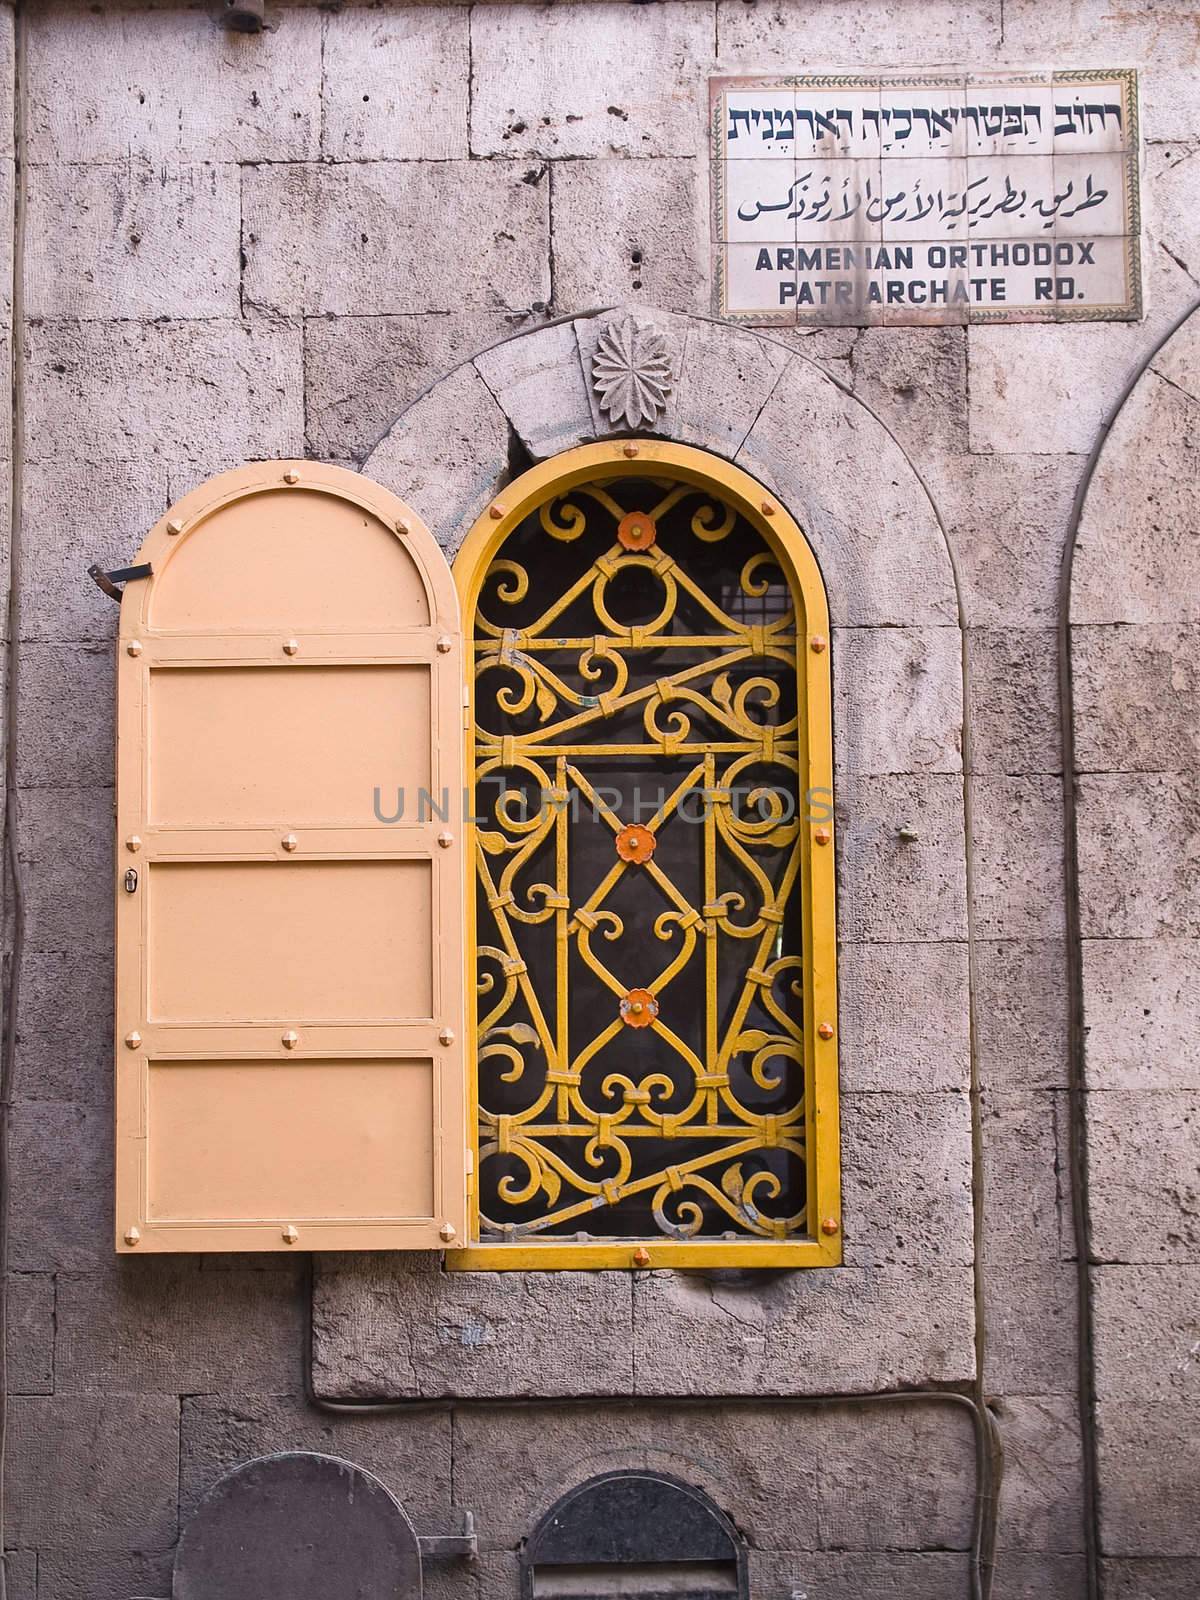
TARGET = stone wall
(245,247)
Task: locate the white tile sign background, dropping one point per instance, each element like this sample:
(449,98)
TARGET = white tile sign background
(933,199)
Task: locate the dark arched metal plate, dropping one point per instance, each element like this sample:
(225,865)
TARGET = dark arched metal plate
(298,1527)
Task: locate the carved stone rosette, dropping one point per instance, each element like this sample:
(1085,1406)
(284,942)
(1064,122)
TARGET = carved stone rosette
(633,372)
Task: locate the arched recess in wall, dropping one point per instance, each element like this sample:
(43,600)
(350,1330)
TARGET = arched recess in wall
(1134,650)
(897,671)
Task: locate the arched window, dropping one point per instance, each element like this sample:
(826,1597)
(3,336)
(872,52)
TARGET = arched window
(649,756)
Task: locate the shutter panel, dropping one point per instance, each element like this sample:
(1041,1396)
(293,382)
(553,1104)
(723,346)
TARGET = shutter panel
(289,1008)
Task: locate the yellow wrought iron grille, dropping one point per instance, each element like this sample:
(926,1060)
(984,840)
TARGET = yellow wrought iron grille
(640,847)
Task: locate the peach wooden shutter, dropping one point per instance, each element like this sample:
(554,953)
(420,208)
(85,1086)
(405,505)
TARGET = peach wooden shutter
(289,967)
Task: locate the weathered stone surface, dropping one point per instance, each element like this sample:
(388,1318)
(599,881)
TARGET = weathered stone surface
(375,220)
(156,1326)
(61,1159)
(1139,1003)
(399,1326)
(897,699)
(1017,835)
(857,1575)
(30,1333)
(588,82)
(1041,1491)
(1030,1317)
(904,1017)
(756,36)
(411,1455)
(90,1471)
(135,240)
(1020,1176)
(861,505)
(1137,555)
(83,1574)
(395,84)
(1035,1574)
(1021,1013)
(906,1179)
(539,384)
(84,512)
(725,380)
(1137,697)
(65,1029)
(629,232)
(891,888)
(105,85)
(210,393)
(1144,1166)
(446,456)
(360,373)
(1146,1333)
(21,1574)
(1006,519)
(1149,1457)
(65,715)
(1139,855)
(844,1331)
(66,846)
(1013,701)
(1152,1580)
(915,381)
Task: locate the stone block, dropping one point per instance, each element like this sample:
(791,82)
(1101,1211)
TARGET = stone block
(906,1179)
(1017,837)
(1144,1171)
(629,232)
(411,1455)
(399,1326)
(65,1031)
(857,1575)
(1139,855)
(1019,1131)
(30,1333)
(1021,1013)
(590,81)
(1012,690)
(539,384)
(1041,1491)
(1139,1007)
(65,715)
(1035,1574)
(389,227)
(61,1159)
(863,509)
(136,239)
(904,1017)
(891,888)
(915,381)
(1137,697)
(1030,1321)
(726,376)
(446,456)
(395,84)
(1149,1471)
(898,700)
(1006,519)
(66,844)
(89,1471)
(759,36)
(495,1575)
(156,1326)
(842,1331)
(1127,566)
(102,1574)
(207,393)
(361,373)
(1148,1579)
(84,511)
(106,85)
(1146,1333)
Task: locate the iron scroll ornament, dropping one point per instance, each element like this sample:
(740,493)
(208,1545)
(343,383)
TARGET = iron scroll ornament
(641,1043)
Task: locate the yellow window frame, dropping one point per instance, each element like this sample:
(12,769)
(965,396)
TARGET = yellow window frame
(822,1246)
